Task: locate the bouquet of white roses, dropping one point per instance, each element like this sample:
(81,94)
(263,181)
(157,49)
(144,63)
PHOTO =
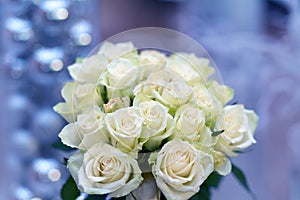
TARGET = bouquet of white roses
(150,125)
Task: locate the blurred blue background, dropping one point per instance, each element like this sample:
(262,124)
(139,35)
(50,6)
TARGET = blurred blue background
(255,45)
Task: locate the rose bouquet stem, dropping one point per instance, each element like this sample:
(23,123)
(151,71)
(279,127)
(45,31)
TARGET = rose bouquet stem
(147,190)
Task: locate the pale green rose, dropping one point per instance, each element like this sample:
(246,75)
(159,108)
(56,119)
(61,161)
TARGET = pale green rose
(163,77)
(77,97)
(89,70)
(222,164)
(125,129)
(222,93)
(151,61)
(158,123)
(190,120)
(239,126)
(155,83)
(176,94)
(180,169)
(103,169)
(190,67)
(166,87)
(205,139)
(119,78)
(86,131)
(207,102)
(114,51)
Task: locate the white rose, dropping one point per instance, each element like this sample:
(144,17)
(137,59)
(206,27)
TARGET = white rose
(119,78)
(180,169)
(77,97)
(86,131)
(176,94)
(207,102)
(159,124)
(125,128)
(155,83)
(89,70)
(222,92)
(190,120)
(151,61)
(239,126)
(113,51)
(190,67)
(221,163)
(166,87)
(103,169)
(163,77)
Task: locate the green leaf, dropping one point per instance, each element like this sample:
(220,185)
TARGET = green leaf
(213,180)
(243,151)
(203,194)
(96,197)
(216,133)
(240,176)
(104,95)
(69,190)
(59,145)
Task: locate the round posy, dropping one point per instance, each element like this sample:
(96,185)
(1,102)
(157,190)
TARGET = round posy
(103,169)
(239,125)
(124,101)
(180,169)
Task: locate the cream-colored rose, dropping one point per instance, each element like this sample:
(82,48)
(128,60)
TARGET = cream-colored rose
(190,67)
(89,70)
(77,97)
(113,51)
(180,169)
(151,61)
(120,73)
(155,83)
(86,131)
(239,125)
(190,120)
(120,77)
(222,163)
(166,87)
(207,102)
(158,123)
(103,169)
(125,129)
(176,94)
(222,92)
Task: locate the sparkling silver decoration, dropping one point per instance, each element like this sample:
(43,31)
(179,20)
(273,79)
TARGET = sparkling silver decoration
(44,177)
(49,59)
(54,9)
(25,144)
(20,107)
(45,126)
(18,68)
(22,193)
(20,29)
(81,33)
